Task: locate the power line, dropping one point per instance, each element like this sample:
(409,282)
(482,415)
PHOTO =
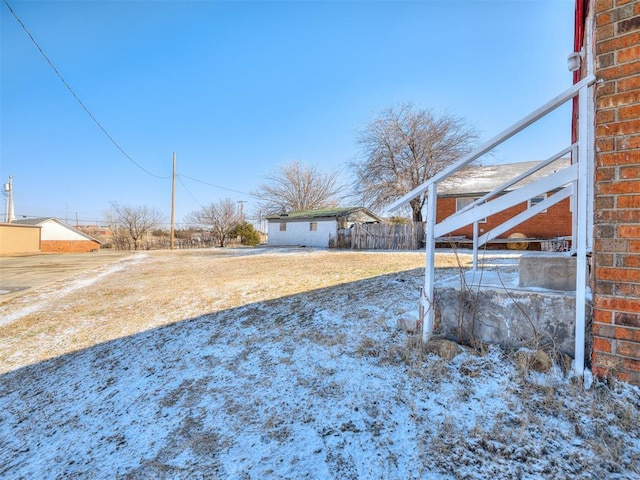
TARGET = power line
(76,96)
(218,186)
(189,192)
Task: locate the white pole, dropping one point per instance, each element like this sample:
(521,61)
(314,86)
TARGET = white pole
(429,271)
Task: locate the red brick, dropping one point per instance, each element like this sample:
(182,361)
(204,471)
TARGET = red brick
(628,289)
(628,143)
(605,331)
(603,19)
(633,246)
(68,246)
(630,172)
(618,99)
(632,261)
(619,71)
(626,349)
(629,113)
(605,144)
(605,116)
(618,274)
(601,345)
(621,2)
(626,84)
(627,186)
(627,319)
(602,316)
(627,127)
(611,245)
(631,378)
(628,231)
(627,334)
(605,201)
(617,304)
(602,5)
(628,201)
(617,216)
(618,43)
(631,365)
(628,54)
(629,25)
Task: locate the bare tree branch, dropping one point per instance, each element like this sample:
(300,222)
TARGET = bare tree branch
(296,187)
(220,218)
(402,148)
(129,224)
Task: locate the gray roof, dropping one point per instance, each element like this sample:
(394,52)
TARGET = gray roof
(481,179)
(40,220)
(324,213)
(31,221)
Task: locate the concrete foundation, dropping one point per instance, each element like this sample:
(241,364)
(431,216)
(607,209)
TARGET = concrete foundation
(548,270)
(492,307)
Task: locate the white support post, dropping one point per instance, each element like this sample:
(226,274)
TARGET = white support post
(475,246)
(581,234)
(427,300)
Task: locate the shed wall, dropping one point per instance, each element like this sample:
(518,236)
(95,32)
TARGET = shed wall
(52,230)
(299,233)
(16,239)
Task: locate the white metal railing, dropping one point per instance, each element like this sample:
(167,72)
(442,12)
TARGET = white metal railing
(574,182)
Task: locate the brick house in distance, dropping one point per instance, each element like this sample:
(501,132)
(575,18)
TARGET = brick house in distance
(473,182)
(58,237)
(608,31)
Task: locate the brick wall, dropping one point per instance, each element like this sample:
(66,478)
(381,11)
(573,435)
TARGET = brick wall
(616,328)
(556,222)
(68,246)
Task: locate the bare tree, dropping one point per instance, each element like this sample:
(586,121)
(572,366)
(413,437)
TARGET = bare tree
(220,218)
(402,148)
(296,187)
(130,224)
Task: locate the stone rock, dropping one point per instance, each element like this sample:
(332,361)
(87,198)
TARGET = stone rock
(407,323)
(443,348)
(537,360)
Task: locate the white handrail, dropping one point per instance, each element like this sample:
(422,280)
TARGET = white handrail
(517,179)
(495,141)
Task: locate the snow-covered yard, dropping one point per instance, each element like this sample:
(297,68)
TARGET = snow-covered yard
(256,364)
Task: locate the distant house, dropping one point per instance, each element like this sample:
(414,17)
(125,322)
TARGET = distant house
(58,237)
(473,182)
(315,228)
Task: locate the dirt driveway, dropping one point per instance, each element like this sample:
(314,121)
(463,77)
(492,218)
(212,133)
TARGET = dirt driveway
(19,274)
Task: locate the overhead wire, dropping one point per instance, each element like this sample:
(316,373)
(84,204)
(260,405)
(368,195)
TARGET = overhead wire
(59,75)
(189,192)
(218,186)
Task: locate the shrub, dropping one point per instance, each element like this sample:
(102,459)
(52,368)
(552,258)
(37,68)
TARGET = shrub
(247,233)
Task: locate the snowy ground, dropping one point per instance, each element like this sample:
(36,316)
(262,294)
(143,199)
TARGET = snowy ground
(314,384)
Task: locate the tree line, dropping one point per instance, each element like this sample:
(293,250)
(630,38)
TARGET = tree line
(399,149)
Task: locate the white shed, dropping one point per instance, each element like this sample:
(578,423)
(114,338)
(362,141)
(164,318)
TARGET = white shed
(315,228)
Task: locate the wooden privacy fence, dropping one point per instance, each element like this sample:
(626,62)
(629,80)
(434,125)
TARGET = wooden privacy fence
(381,236)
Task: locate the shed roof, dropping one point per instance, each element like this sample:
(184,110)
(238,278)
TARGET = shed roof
(481,179)
(324,213)
(39,221)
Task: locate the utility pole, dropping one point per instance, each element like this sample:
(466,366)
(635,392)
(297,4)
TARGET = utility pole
(242,202)
(8,191)
(173,199)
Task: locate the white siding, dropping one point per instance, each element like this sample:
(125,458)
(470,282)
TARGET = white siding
(299,233)
(52,230)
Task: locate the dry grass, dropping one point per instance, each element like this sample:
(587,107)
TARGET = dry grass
(167,287)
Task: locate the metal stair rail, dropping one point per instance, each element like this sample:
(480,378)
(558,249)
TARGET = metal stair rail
(574,182)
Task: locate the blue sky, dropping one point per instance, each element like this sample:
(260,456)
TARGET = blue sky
(238,88)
